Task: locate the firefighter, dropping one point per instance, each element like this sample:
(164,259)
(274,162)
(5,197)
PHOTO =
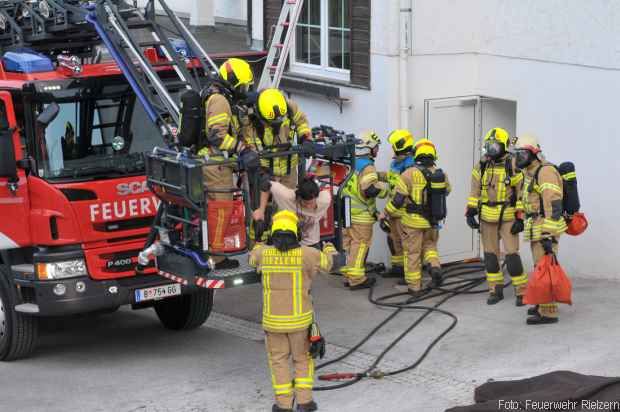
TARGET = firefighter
(223,134)
(542,201)
(402,145)
(494,195)
(287,270)
(274,123)
(363,189)
(421,194)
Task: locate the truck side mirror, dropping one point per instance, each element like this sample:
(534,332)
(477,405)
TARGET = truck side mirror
(48,115)
(8,165)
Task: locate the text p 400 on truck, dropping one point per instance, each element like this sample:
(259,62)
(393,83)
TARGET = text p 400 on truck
(100,204)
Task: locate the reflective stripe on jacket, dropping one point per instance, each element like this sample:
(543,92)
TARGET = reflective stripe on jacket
(363,210)
(549,188)
(495,191)
(286,280)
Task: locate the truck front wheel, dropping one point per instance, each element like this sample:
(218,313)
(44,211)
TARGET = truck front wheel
(18,332)
(187,311)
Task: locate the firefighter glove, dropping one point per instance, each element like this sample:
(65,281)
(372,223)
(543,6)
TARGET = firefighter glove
(213,138)
(547,244)
(517,226)
(249,160)
(317,343)
(471,218)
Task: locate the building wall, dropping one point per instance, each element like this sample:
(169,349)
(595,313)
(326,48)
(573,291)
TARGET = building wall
(558,59)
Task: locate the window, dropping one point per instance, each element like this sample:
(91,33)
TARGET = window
(322,45)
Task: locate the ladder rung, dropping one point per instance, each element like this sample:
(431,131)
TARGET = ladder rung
(279,45)
(150,44)
(291,1)
(140,25)
(286,24)
(164,64)
(175,84)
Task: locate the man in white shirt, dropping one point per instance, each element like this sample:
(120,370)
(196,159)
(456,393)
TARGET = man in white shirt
(309,202)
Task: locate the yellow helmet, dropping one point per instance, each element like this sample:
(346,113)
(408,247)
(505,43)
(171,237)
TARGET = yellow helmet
(528,142)
(368,141)
(499,134)
(425,147)
(285,221)
(237,72)
(401,140)
(496,143)
(272,105)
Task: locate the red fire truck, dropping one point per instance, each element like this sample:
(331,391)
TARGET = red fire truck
(86,88)
(74,206)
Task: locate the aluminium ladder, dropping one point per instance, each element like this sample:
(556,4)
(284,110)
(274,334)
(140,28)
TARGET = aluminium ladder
(124,39)
(280,44)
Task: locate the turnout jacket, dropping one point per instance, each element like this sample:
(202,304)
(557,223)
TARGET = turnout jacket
(542,201)
(221,120)
(287,280)
(496,190)
(261,137)
(364,209)
(413,184)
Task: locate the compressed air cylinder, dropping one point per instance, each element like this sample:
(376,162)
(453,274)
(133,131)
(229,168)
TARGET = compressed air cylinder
(571,194)
(191,118)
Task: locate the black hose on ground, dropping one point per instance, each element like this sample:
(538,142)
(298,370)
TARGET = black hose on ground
(461,286)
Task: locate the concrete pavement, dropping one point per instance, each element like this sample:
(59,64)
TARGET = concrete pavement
(127,362)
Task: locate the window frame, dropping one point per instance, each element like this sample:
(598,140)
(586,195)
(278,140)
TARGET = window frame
(324,70)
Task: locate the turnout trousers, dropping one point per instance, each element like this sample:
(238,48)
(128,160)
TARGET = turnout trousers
(357,240)
(551,309)
(418,245)
(281,348)
(491,234)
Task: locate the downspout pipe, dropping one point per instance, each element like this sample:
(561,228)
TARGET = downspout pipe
(406,32)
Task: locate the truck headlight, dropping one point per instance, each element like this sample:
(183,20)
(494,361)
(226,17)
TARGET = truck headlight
(61,270)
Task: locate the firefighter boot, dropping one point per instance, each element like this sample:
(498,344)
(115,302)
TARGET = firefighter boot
(307,407)
(497,295)
(276,408)
(533,311)
(538,319)
(368,283)
(519,301)
(436,277)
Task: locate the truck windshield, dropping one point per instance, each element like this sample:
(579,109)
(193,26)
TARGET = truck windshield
(99,132)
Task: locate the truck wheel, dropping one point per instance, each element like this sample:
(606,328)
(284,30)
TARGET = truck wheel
(185,312)
(18,332)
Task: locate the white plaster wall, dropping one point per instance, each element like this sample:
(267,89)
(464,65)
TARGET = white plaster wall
(558,59)
(574,112)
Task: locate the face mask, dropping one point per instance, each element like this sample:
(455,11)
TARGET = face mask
(523,158)
(494,149)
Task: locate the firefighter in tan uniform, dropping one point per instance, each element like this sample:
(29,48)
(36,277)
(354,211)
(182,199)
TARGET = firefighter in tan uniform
(287,270)
(362,189)
(223,133)
(421,192)
(273,127)
(542,201)
(402,145)
(495,195)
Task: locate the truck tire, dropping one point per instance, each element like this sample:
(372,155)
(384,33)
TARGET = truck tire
(185,312)
(18,332)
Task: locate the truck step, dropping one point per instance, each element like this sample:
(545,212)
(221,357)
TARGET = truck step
(28,308)
(23,269)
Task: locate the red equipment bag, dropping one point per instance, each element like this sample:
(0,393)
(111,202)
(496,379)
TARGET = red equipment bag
(548,283)
(577,225)
(226,220)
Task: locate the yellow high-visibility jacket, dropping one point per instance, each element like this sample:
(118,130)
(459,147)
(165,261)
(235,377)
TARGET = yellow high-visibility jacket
(412,183)
(262,138)
(496,190)
(546,191)
(287,279)
(363,209)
